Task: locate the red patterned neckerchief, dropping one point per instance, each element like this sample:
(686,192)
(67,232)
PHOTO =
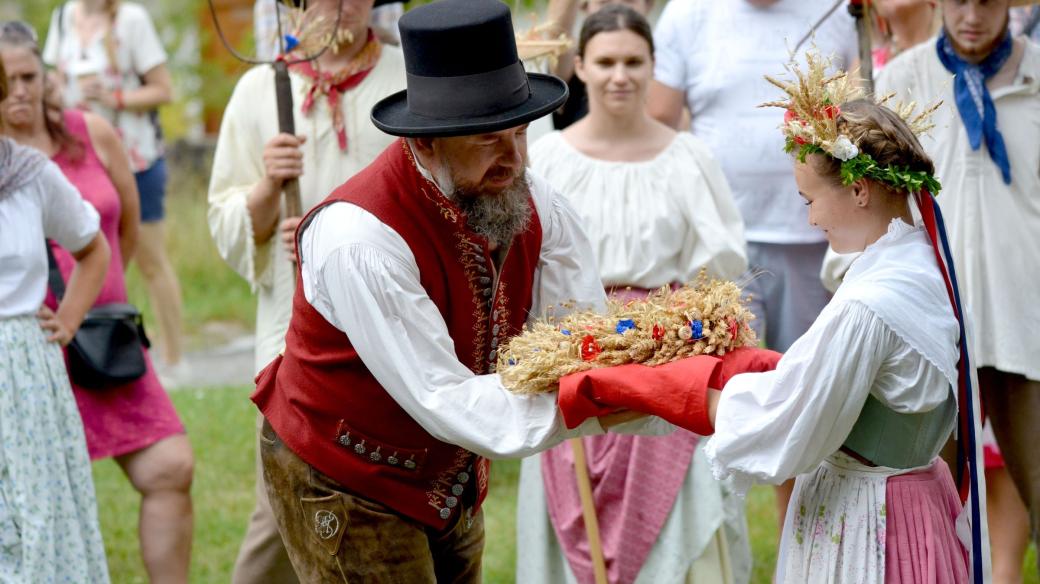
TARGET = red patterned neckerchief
(334,85)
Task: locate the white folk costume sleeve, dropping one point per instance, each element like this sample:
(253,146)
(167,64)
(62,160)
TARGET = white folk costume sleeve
(361,276)
(237,168)
(776,425)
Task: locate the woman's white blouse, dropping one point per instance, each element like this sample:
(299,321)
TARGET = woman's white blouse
(48,207)
(776,425)
(654,222)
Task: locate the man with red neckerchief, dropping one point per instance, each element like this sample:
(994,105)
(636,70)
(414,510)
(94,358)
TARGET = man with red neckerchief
(986,155)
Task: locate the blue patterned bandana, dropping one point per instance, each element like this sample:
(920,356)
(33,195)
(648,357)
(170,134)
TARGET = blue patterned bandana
(973,100)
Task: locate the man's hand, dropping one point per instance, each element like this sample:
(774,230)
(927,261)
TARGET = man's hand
(287,232)
(283,158)
(620,417)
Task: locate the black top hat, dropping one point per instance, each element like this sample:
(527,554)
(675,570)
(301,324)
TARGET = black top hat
(464,76)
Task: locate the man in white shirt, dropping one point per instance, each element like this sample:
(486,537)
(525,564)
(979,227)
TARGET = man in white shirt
(335,139)
(986,151)
(711,58)
(383,410)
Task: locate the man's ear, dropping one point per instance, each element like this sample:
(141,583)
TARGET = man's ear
(423,145)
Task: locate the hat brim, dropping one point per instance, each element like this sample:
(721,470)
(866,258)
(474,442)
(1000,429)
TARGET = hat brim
(392,116)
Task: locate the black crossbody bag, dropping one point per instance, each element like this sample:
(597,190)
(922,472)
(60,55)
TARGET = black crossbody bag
(108,349)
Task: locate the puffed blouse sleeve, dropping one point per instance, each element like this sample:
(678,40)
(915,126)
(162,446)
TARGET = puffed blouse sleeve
(67,218)
(237,168)
(716,238)
(773,426)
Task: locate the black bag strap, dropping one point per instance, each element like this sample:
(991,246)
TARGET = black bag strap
(54,279)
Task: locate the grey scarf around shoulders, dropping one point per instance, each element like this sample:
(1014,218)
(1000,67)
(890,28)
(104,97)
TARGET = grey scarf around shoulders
(19,165)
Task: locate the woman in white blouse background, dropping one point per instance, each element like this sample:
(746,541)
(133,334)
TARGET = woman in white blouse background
(657,209)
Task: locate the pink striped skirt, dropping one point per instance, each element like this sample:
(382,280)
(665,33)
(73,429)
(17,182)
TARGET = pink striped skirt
(921,543)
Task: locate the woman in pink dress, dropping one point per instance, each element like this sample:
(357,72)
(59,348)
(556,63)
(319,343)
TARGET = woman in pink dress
(136,423)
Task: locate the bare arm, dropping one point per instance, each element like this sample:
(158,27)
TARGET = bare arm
(84,285)
(113,157)
(157,90)
(665,104)
(563,14)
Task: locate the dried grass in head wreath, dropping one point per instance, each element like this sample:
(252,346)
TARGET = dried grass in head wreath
(706,317)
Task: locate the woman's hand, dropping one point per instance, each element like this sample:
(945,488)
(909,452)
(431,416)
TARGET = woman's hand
(60,332)
(93,90)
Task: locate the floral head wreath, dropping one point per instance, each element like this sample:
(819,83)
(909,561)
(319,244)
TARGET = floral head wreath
(811,124)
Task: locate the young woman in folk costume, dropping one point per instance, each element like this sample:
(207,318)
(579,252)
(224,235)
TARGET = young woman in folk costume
(860,406)
(657,210)
(865,400)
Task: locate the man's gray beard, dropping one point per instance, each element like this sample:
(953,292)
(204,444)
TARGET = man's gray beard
(498,217)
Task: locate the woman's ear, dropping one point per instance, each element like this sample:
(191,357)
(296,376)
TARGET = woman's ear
(579,68)
(861,192)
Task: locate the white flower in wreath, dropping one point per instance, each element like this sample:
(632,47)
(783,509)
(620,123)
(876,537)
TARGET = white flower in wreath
(843,149)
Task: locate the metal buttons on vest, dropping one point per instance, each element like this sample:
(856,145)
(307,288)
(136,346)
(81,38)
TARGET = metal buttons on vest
(344,439)
(457,490)
(445,513)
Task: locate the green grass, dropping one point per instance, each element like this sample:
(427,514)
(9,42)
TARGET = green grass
(220,422)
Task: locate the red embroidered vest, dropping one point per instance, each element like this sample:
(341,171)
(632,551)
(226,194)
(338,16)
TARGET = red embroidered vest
(328,408)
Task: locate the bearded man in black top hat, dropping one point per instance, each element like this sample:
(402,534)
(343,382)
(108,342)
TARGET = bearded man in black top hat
(383,410)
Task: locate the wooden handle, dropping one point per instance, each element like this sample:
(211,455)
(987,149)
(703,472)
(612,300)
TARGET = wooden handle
(588,511)
(287,125)
(866,59)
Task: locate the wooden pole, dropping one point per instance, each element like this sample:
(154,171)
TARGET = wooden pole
(858,9)
(286,125)
(588,511)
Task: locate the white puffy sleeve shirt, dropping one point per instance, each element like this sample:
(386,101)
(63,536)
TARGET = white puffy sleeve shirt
(776,425)
(994,228)
(654,222)
(362,277)
(250,121)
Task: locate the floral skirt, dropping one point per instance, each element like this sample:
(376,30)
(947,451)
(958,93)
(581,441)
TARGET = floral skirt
(852,523)
(48,513)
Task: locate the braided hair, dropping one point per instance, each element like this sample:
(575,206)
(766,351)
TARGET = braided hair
(879,132)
